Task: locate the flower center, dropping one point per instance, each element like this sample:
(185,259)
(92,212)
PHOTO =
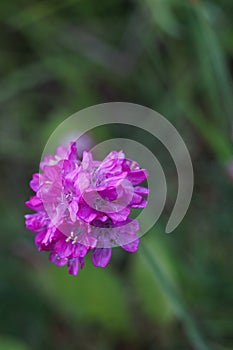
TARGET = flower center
(72,237)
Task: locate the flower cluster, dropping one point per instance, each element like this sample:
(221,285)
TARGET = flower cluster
(84,205)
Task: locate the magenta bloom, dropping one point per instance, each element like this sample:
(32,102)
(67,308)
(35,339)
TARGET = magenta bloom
(83,206)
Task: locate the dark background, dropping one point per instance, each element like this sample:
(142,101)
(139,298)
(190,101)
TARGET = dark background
(176,57)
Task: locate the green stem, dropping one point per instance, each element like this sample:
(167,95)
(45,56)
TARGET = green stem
(189,324)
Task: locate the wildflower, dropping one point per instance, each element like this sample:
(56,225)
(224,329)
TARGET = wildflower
(84,206)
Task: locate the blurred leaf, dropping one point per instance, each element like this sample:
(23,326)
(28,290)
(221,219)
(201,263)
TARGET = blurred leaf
(95,296)
(151,294)
(37,12)
(11,344)
(21,79)
(162,14)
(214,69)
(170,290)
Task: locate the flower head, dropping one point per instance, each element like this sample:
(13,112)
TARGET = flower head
(85,205)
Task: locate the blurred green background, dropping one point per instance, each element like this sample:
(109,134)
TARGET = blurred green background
(175,56)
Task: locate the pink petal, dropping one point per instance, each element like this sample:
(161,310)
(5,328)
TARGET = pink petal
(132,246)
(101,256)
(137,176)
(73,267)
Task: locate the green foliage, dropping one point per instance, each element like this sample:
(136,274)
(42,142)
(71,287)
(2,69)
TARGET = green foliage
(156,303)
(96,296)
(11,344)
(175,56)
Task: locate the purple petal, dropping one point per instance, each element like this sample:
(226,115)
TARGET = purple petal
(86,213)
(81,262)
(34,203)
(138,201)
(119,216)
(114,181)
(57,260)
(34,183)
(73,209)
(79,250)
(73,266)
(143,191)
(109,194)
(87,160)
(142,204)
(137,176)
(52,173)
(67,167)
(88,241)
(57,218)
(72,175)
(35,222)
(132,246)
(61,152)
(129,165)
(72,152)
(48,159)
(101,256)
(39,240)
(50,234)
(63,249)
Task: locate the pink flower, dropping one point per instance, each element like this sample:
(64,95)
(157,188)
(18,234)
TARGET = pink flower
(85,205)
